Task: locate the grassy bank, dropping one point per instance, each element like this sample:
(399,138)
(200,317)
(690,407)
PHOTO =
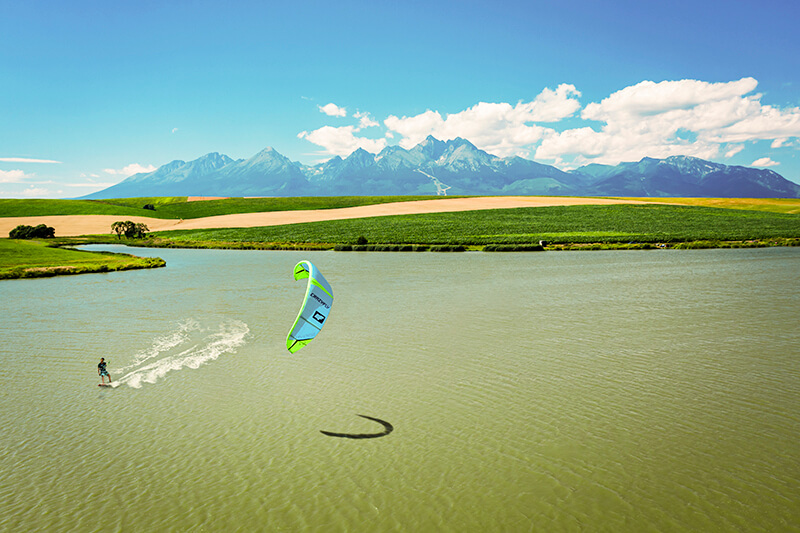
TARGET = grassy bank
(36,259)
(181,208)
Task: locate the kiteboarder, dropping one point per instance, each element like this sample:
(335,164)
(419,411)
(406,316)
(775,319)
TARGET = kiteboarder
(102,372)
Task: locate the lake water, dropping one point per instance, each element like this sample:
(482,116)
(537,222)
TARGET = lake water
(585,391)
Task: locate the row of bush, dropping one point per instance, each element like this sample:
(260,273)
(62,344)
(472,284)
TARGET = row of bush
(398,248)
(381,248)
(513,248)
(32,232)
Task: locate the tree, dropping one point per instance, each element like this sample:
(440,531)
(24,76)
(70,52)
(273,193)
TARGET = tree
(139,230)
(130,229)
(119,227)
(32,232)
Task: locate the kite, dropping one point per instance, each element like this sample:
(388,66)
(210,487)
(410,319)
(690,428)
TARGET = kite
(316,306)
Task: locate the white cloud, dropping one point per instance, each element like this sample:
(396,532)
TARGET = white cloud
(364,120)
(130,170)
(26,160)
(777,143)
(333,110)
(649,98)
(733,150)
(342,141)
(13,176)
(764,162)
(652,119)
(95,185)
(499,128)
(174,130)
(35,192)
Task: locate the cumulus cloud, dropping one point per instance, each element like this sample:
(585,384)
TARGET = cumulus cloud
(364,120)
(13,176)
(764,162)
(35,192)
(342,141)
(733,150)
(333,110)
(130,170)
(499,128)
(649,118)
(648,98)
(777,143)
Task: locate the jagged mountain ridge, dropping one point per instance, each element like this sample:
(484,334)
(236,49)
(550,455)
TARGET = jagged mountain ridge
(453,167)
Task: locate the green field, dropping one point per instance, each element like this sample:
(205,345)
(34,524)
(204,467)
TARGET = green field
(34,259)
(572,224)
(179,207)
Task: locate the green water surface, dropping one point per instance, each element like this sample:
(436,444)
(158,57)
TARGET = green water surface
(594,391)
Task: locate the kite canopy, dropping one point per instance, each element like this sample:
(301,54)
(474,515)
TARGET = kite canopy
(316,306)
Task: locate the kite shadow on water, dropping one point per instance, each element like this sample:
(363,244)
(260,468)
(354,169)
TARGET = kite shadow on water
(388,428)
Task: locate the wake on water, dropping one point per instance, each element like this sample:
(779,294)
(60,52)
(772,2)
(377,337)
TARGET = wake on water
(189,346)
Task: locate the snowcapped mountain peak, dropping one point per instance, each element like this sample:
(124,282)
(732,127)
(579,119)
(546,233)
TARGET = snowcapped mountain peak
(693,165)
(458,141)
(269,157)
(269,151)
(360,159)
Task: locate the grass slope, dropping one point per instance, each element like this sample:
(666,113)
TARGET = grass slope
(572,224)
(34,258)
(179,207)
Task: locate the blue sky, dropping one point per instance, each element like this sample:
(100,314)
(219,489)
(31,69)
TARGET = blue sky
(91,92)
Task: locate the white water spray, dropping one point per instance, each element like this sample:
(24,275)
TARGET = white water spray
(227,337)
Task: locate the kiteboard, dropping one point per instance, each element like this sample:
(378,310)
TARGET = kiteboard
(104,385)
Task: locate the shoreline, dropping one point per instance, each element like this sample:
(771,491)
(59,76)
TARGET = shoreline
(74,230)
(23,271)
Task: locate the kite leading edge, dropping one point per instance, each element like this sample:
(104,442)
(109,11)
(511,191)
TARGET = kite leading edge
(316,306)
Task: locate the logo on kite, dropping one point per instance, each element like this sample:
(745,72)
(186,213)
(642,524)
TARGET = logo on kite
(315,308)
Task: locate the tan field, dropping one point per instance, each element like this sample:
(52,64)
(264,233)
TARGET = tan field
(773,205)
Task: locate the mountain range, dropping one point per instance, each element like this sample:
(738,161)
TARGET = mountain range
(454,167)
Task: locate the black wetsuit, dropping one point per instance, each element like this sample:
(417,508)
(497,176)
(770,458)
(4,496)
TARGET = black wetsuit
(102,369)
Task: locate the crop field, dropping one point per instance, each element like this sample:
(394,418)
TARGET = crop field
(577,224)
